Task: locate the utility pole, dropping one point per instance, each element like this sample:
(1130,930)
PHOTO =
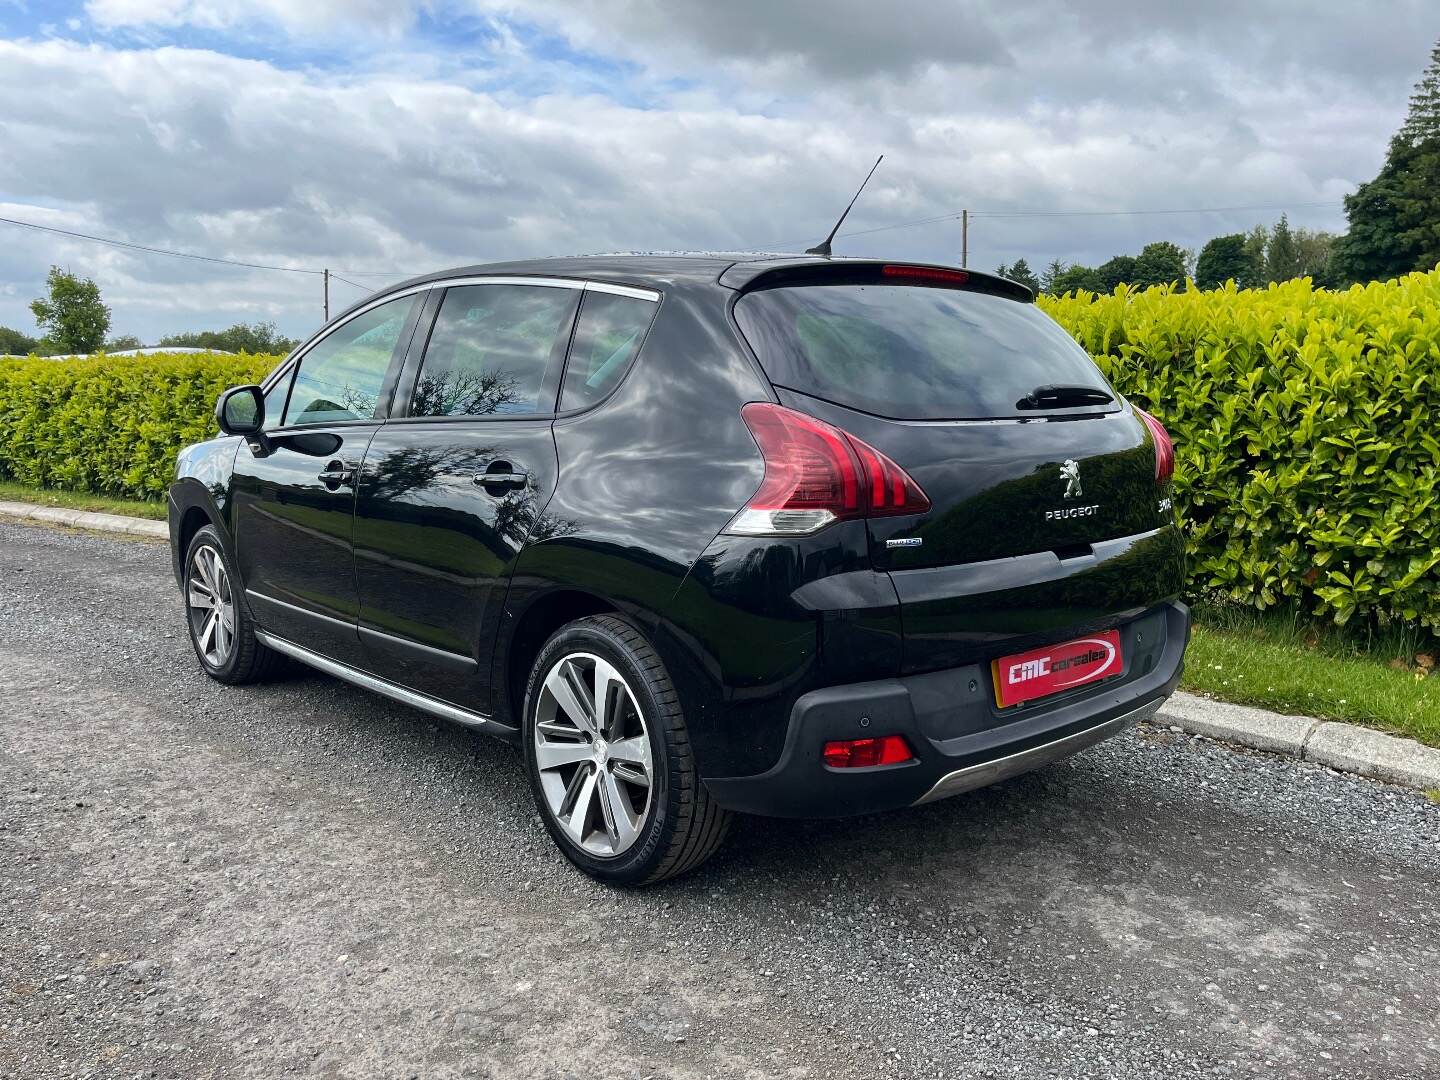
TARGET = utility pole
(327,294)
(964,237)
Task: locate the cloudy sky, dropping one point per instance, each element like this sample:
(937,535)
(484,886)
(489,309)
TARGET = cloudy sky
(388,137)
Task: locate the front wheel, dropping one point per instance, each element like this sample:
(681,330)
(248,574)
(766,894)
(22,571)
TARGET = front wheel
(220,627)
(609,758)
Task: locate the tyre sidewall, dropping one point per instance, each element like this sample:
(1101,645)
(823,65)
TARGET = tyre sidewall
(638,863)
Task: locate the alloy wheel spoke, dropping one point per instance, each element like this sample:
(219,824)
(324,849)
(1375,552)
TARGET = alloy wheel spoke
(609,693)
(568,690)
(199,595)
(620,820)
(582,785)
(635,750)
(207,632)
(553,755)
(631,774)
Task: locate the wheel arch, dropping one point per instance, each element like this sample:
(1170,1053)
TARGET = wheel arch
(545,614)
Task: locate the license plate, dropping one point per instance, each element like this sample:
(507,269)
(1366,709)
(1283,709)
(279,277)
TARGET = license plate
(1041,672)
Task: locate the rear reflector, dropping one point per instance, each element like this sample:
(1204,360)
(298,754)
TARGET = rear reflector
(863,753)
(1164,448)
(816,473)
(926,273)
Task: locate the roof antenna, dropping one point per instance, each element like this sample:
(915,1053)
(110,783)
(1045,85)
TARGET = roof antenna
(823,248)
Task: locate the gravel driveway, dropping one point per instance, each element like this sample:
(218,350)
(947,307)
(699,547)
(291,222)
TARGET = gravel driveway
(305,879)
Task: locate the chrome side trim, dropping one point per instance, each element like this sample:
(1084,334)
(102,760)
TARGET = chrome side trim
(371,682)
(623,290)
(991,772)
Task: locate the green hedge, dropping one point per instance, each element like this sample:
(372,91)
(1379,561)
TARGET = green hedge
(112,425)
(1305,425)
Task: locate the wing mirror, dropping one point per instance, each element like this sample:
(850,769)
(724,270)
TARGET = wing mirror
(241,410)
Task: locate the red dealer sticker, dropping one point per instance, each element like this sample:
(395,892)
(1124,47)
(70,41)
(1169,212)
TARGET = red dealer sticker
(1039,672)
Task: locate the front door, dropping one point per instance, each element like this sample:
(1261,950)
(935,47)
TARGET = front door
(452,489)
(293,491)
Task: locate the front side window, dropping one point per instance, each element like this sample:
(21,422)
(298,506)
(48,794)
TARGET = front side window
(341,376)
(490,350)
(607,337)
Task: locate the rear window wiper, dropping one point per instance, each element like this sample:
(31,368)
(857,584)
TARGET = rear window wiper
(1063,397)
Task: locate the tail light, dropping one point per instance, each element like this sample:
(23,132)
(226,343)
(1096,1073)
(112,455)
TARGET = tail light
(864,753)
(1164,448)
(816,473)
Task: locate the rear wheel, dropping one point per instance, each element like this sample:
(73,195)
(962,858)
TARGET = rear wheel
(220,627)
(609,757)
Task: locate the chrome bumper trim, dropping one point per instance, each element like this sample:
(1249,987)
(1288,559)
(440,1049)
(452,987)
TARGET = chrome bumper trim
(990,772)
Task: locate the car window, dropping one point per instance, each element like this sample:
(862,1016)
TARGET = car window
(490,350)
(341,376)
(607,338)
(912,352)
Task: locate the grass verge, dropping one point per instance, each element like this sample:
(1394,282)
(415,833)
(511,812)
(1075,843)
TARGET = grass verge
(1283,663)
(80,500)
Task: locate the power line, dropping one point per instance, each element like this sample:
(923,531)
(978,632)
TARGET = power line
(189,255)
(356,284)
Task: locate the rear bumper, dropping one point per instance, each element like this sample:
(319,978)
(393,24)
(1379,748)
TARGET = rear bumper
(961,740)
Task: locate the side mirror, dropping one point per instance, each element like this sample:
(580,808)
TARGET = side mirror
(241,410)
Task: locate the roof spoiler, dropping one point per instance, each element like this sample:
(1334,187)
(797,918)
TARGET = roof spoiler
(779,273)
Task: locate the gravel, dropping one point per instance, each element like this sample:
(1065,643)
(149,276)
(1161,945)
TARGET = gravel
(305,879)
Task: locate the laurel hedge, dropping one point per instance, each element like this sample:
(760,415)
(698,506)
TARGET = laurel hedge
(1308,465)
(111,424)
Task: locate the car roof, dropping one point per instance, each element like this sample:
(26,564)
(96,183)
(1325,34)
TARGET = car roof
(729,269)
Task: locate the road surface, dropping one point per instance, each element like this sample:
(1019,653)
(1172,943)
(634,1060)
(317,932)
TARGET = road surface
(305,879)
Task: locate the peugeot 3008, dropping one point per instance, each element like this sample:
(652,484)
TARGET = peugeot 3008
(778,535)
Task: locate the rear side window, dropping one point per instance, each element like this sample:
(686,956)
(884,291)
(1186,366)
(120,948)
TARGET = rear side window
(910,351)
(491,349)
(607,339)
(340,377)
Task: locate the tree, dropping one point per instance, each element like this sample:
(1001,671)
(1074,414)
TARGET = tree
(1395,218)
(124,341)
(1076,277)
(1050,276)
(1116,271)
(1282,259)
(1314,254)
(260,337)
(73,318)
(14,343)
(1020,271)
(1223,259)
(1159,263)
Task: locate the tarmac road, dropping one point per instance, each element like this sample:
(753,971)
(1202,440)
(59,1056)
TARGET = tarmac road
(305,879)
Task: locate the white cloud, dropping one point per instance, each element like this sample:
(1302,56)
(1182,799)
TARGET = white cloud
(671,127)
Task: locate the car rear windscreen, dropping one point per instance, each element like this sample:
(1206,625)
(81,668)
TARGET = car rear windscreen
(912,352)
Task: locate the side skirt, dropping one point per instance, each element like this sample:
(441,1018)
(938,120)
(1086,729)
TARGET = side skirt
(413,698)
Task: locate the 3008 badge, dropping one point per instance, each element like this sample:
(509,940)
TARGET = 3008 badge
(1041,672)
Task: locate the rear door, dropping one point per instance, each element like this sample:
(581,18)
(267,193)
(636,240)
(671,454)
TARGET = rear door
(293,493)
(453,483)
(1015,436)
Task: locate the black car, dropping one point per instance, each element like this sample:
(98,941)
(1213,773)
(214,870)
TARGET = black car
(703,534)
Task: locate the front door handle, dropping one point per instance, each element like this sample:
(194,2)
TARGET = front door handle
(336,474)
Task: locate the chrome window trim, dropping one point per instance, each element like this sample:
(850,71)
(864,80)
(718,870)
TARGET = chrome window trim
(623,290)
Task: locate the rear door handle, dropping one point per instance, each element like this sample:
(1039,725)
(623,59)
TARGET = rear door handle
(501,474)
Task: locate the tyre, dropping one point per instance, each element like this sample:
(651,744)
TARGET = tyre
(221,630)
(609,758)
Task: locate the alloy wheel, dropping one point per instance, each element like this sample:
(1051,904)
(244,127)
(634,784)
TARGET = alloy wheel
(211,606)
(592,752)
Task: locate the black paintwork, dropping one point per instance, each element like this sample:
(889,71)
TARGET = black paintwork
(414,572)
